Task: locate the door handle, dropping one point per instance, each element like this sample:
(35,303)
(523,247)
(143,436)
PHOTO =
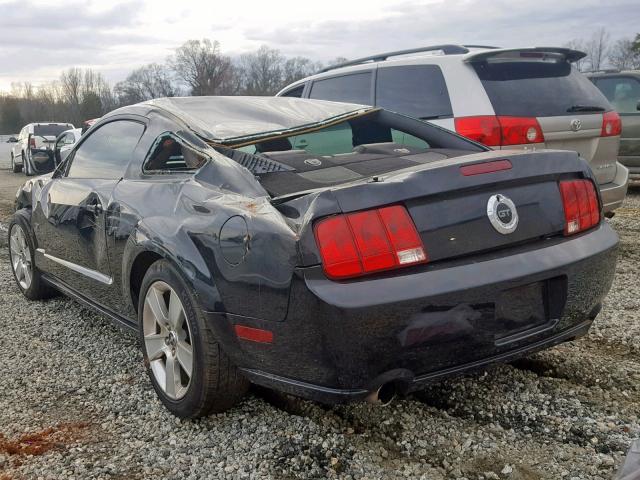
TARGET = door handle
(94,208)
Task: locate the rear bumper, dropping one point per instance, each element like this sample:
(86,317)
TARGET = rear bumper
(613,193)
(343,340)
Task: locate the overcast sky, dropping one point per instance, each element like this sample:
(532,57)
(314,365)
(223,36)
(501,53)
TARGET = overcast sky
(39,39)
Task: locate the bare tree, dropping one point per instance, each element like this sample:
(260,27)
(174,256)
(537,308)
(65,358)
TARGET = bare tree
(201,66)
(623,56)
(597,48)
(262,71)
(298,67)
(145,83)
(578,44)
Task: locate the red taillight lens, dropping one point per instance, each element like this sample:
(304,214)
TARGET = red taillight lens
(581,208)
(611,124)
(500,131)
(520,130)
(359,243)
(32,142)
(483,129)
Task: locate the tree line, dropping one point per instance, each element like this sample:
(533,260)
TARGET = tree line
(198,67)
(623,54)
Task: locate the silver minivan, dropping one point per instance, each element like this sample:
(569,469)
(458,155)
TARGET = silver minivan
(505,98)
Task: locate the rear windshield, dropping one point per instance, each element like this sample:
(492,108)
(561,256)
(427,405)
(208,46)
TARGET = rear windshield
(538,89)
(50,130)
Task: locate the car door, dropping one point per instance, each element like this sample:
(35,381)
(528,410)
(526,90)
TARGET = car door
(624,94)
(70,219)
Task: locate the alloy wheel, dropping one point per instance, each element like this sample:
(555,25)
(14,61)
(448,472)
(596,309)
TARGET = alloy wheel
(20,257)
(167,340)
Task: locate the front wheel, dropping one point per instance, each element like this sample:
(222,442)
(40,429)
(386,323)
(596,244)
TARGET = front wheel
(15,168)
(25,272)
(189,371)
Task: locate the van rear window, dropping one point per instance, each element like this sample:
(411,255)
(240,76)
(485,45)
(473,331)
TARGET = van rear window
(538,89)
(50,130)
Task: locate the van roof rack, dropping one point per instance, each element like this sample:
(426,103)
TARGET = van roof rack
(447,49)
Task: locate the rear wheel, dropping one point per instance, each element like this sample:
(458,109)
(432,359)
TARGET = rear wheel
(25,272)
(15,168)
(190,373)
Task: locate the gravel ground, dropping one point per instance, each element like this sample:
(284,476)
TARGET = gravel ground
(75,403)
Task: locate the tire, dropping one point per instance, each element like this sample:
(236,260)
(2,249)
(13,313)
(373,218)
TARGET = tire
(25,272)
(15,168)
(215,384)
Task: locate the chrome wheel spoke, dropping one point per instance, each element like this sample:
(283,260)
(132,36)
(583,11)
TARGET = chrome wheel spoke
(26,274)
(175,314)
(15,247)
(155,345)
(184,353)
(20,270)
(173,383)
(157,305)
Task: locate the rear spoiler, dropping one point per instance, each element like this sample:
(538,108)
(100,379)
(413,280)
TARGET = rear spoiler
(507,54)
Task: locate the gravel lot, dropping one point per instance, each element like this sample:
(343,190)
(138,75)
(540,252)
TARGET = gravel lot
(75,403)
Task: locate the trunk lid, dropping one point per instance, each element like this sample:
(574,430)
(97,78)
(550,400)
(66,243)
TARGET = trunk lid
(448,208)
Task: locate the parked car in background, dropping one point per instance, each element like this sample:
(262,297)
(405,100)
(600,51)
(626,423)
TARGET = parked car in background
(33,152)
(622,89)
(64,143)
(385,254)
(12,139)
(503,98)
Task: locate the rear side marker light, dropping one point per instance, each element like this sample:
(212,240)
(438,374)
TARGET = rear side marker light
(253,334)
(32,142)
(581,208)
(496,131)
(485,167)
(611,124)
(370,241)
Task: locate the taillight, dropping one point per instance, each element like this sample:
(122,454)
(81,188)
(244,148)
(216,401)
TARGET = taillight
(32,142)
(611,124)
(520,130)
(580,202)
(371,241)
(500,131)
(484,129)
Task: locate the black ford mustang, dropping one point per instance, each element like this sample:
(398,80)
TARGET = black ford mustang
(328,250)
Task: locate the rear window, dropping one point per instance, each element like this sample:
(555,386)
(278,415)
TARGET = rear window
(50,130)
(355,88)
(537,89)
(622,92)
(415,90)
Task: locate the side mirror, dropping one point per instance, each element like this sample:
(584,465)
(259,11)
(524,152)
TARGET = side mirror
(15,140)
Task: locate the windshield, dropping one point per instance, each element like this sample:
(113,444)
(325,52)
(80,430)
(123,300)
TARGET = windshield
(539,89)
(51,129)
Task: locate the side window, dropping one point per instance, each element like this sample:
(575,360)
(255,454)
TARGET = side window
(407,139)
(170,153)
(107,151)
(354,88)
(294,92)
(415,90)
(328,141)
(69,139)
(622,92)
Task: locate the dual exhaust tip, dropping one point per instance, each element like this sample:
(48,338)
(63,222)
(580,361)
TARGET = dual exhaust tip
(383,396)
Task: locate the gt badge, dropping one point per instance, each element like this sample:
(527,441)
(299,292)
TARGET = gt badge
(502,214)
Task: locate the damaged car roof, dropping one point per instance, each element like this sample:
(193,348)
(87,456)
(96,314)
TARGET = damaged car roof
(232,119)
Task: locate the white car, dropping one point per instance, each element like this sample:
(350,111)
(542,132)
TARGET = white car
(64,143)
(503,98)
(33,152)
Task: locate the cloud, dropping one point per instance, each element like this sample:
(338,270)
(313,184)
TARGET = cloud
(411,24)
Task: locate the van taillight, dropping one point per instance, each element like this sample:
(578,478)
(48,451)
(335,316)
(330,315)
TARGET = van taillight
(360,243)
(496,131)
(32,142)
(611,124)
(581,208)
